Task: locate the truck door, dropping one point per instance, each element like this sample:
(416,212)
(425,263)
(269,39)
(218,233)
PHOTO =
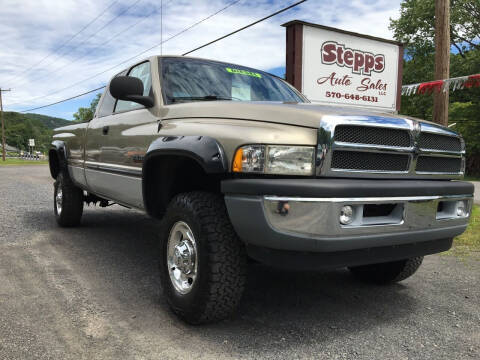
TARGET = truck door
(122,148)
(96,181)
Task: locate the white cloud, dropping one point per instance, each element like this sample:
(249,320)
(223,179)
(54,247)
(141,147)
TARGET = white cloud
(34,29)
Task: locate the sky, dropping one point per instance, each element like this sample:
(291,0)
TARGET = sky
(51,50)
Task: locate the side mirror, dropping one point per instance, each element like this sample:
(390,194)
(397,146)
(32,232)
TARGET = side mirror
(130,89)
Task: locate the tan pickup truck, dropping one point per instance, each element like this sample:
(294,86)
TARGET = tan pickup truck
(237,164)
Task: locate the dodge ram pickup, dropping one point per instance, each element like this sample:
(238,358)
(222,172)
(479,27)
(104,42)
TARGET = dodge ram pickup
(237,164)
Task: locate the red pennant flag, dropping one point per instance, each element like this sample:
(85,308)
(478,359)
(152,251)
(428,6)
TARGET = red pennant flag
(473,81)
(430,86)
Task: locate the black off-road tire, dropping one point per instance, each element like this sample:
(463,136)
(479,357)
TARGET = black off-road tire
(221,273)
(387,273)
(71,210)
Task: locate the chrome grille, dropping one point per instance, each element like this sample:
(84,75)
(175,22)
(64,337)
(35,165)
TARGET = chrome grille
(435,164)
(430,141)
(372,135)
(351,160)
(382,147)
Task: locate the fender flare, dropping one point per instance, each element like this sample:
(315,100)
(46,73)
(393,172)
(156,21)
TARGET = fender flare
(205,150)
(60,163)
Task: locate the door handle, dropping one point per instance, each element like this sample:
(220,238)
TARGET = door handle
(105,130)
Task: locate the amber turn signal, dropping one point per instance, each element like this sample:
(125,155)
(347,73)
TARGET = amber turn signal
(237,160)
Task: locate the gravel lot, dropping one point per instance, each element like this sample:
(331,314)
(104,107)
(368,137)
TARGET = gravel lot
(93,292)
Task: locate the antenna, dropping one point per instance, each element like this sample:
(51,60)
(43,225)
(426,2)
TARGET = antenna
(161,26)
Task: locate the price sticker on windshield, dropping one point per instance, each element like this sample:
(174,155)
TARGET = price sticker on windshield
(243,72)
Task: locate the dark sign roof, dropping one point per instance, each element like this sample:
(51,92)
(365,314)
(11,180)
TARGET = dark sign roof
(293,22)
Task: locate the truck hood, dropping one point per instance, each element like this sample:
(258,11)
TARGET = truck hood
(300,114)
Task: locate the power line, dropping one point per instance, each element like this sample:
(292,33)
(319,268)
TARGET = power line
(135,56)
(103,43)
(88,38)
(64,43)
(61,101)
(202,46)
(245,27)
(102,87)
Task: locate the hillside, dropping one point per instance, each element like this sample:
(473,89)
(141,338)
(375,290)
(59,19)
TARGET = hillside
(21,127)
(48,121)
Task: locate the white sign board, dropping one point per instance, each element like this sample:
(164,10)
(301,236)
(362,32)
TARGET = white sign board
(342,68)
(31,142)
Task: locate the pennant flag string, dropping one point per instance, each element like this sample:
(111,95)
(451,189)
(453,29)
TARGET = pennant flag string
(458,83)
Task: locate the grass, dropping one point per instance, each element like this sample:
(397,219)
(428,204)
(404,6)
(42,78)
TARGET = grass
(16,161)
(471,178)
(469,242)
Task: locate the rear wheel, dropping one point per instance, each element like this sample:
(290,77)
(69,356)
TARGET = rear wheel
(202,261)
(67,201)
(387,273)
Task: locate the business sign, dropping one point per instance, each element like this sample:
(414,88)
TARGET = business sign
(31,142)
(333,66)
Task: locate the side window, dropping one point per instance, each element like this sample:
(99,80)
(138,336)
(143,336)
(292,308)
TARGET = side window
(141,71)
(108,103)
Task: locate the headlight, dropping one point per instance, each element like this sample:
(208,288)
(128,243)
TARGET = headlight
(274,159)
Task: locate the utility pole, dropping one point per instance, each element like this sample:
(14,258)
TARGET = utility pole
(3,125)
(442,59)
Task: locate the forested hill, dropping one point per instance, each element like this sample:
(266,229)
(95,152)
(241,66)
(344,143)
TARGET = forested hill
(48,121)
(21,127)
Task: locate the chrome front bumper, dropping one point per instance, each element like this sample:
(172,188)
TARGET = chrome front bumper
(319,217)
(312,224)
(303,214)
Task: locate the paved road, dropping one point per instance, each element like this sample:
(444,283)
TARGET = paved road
(93,292)
(477,191)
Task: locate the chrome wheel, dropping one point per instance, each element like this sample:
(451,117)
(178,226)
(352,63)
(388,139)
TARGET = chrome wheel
(58,200)
(182,257)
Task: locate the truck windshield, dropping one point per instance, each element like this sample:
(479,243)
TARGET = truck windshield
(185,80)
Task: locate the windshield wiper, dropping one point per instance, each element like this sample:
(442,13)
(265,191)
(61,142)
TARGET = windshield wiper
(202,98)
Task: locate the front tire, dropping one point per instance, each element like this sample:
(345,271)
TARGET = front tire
(67,201)
(389,272)
(202,261)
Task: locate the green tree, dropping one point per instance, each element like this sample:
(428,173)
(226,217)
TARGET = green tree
(416,25)
(21,127)
(86,114)
(416,29)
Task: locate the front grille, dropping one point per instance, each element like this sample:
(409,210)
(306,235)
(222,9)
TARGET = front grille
(367,161)
(430,141)
(435,164)
(383,147)
(372,135)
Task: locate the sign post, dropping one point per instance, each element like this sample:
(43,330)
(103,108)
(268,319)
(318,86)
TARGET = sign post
(336,67)
(3,124)
(31,143)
